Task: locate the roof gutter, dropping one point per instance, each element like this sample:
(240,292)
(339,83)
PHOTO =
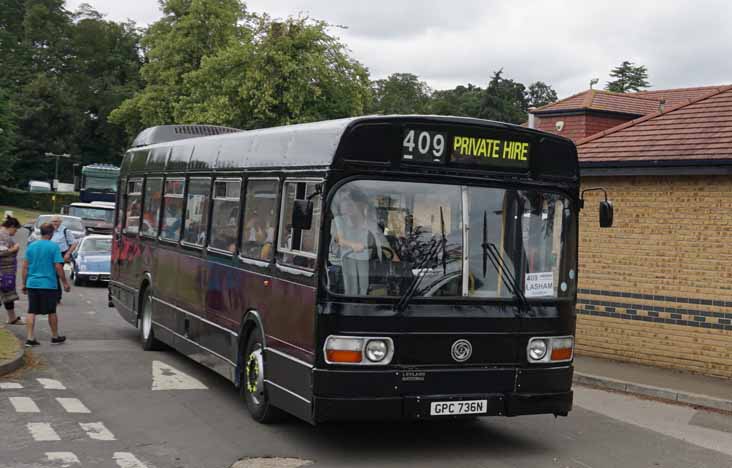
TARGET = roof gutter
(656,167)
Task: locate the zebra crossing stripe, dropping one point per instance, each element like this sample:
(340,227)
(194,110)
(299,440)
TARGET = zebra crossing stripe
(97,431)
(24,405)
(42,432)
(127,460)
(65,459)
(10,386)
(73,405)
(51,384)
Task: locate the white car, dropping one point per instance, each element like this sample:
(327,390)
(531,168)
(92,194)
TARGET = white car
(72,223)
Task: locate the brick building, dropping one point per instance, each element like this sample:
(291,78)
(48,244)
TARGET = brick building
(592,111)
(657,287)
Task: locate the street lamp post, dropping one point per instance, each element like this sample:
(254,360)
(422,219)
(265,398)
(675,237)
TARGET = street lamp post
(55,175)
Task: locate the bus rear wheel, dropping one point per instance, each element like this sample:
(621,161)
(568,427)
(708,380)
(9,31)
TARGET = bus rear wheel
(251,384)
(147,334)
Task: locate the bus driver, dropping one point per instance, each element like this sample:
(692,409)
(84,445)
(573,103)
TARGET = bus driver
(355,234)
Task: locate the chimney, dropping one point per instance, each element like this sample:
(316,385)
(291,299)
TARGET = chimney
(532,123)
(661,105)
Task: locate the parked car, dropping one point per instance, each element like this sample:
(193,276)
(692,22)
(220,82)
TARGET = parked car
(92,261)
(72,223)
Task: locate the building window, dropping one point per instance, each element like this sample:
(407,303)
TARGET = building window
(260,218)
(151,211)
(199,192)
(225,214)
(172,210)
(134,208)
(299,247)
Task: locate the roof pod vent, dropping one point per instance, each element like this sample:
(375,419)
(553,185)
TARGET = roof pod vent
(163,133)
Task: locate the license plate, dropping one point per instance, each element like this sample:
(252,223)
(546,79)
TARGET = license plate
(448,408)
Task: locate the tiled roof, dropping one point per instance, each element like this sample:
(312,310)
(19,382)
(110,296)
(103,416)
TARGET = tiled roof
(595,99)
(640,103)
(700,129)
(677,96)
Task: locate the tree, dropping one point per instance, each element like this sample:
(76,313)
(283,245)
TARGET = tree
(540,94)
(290,71)
(7,138)
(461,101)
(174,46)
(105,71)
(47,121)
(628,77)
(504,100)
(400,93)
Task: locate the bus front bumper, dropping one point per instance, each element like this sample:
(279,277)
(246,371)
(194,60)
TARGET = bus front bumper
(391,396)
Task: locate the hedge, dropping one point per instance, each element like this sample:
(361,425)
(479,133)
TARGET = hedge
(39,201)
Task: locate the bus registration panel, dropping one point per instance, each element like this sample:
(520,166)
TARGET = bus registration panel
(450,408)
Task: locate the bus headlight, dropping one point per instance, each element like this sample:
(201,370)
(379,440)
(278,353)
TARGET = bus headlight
(376,350)
(358,350)
(550,349)
(537,349)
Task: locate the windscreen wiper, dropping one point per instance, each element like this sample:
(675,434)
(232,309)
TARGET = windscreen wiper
(490,251)
(432,253)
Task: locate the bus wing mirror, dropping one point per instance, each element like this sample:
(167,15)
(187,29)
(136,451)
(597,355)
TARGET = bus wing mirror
(302,214)
(606,214)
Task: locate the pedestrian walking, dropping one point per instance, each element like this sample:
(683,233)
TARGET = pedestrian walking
(66,241)
(9,267)
(43,269)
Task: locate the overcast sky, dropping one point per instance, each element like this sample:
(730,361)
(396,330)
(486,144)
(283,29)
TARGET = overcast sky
(563,43)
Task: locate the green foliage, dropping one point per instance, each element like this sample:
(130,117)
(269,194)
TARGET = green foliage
(284,72)
(39,201)
(540,94)
(400,93)
(174,46)
(462,101)
(504,100)
(628,77)
(64,74)
(7,138)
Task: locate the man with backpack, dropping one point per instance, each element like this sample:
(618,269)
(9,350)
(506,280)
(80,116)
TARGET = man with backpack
(66,243)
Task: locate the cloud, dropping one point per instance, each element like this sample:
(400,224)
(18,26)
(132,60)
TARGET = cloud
(564,43)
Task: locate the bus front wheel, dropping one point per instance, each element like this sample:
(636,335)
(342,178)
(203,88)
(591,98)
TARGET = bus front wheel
(252,382)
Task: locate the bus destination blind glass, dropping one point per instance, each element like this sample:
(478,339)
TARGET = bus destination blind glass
(432,147)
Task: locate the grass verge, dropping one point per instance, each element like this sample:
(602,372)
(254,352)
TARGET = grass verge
(23,215)
(8,345)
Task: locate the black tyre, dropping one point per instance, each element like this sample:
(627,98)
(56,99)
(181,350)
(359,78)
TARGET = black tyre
(147,334)
(252,386)
(78,281)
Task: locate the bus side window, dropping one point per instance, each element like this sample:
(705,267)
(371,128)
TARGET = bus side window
(196,223)
(121,196)
(260,211)
(299,247)
(134,199)
(172,210)
(151,211)
(225,214)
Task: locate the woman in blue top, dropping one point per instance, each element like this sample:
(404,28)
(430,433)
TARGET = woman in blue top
(43,269)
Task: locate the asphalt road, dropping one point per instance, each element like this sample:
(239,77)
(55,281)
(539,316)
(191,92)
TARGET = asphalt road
(100,401)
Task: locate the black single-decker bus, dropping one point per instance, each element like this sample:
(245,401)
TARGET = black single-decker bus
(396,267)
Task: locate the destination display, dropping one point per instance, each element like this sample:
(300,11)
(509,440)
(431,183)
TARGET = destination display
(490,152)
